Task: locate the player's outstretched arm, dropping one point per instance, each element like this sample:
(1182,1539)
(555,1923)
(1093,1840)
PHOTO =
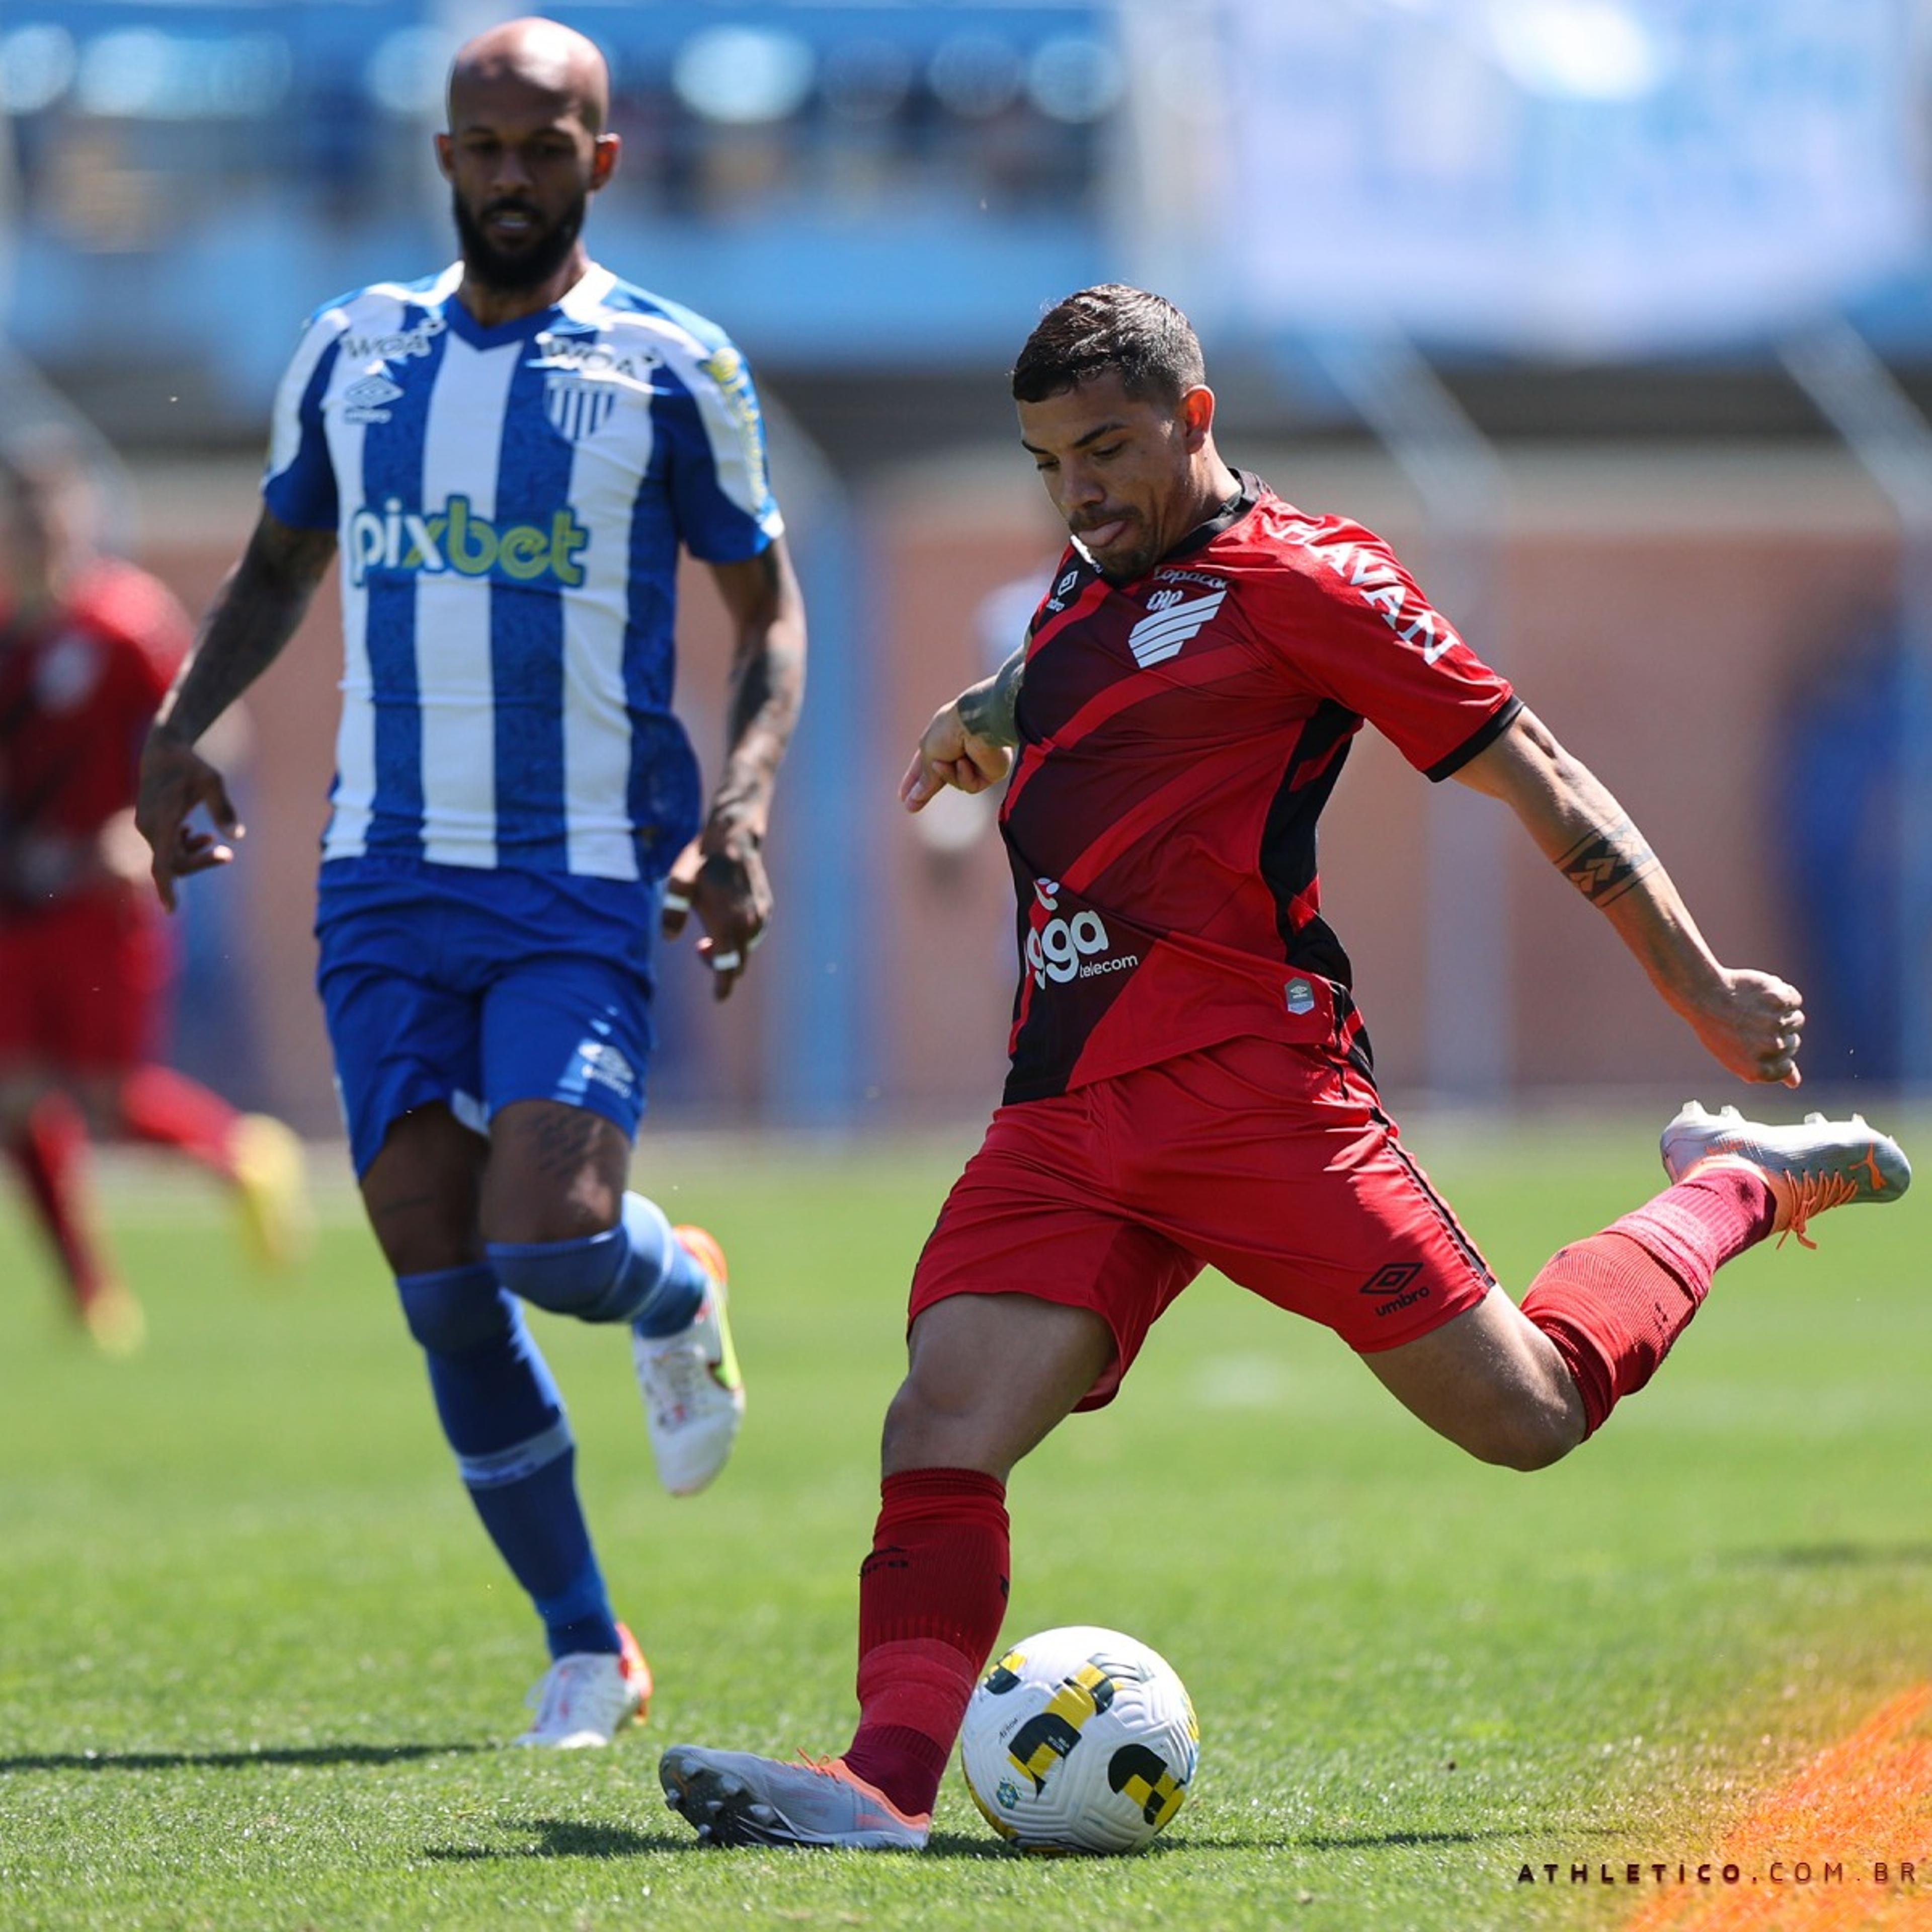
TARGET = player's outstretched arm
(1751,1022)
(721,874)
(969,743)
(255,613)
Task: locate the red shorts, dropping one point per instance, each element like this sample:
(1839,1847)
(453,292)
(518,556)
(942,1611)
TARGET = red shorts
(1272,1162)
(80,984)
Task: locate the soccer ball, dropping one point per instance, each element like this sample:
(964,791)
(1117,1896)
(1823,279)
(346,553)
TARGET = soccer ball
(1079,1740)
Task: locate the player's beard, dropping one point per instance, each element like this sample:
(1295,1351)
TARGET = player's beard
(529,266)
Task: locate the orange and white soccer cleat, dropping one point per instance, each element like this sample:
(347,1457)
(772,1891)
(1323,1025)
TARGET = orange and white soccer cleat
(584,1700)
(1817,1164)
(694,1394)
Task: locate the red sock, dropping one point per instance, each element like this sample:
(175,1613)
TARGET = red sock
(158,1104)
(1614,1304)
(50,1153)
(931,1596)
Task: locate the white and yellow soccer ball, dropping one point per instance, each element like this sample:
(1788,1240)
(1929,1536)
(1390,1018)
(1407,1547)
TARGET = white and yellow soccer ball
(1079,1740)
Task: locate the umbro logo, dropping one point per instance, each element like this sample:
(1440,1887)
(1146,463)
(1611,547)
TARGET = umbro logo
(364,399)
(1160,634)
(1394,1287)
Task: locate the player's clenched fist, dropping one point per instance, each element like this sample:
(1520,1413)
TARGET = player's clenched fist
(1754,1023)
(949,754)
(174,780)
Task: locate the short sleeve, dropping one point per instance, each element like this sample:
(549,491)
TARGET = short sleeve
(720,490)
(1355,626)
(299,485)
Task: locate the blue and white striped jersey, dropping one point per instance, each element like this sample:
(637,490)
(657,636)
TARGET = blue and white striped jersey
(510,503)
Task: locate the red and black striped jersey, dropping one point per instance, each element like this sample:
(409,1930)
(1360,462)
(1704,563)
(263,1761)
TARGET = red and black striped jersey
(1179,736)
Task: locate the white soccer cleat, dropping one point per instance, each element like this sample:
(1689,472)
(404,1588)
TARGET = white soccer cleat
(1816,1164)
(584,1700)
(733,1798)
(694,1395)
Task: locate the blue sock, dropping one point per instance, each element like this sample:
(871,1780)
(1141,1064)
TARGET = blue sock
(503,1415)
(638,1272)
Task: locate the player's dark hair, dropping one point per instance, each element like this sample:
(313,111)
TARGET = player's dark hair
(1113,326)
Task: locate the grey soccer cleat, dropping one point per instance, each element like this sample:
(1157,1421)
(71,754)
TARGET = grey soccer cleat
(1814,1165)
(733,1797)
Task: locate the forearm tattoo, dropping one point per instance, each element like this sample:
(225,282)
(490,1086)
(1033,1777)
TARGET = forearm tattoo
(990,710)
(1607,862)
(767,692)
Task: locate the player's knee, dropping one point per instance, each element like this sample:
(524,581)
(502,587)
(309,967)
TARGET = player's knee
(906,1419)
(926,1423)
(544,1221)
(455,1310)
(1528,1439)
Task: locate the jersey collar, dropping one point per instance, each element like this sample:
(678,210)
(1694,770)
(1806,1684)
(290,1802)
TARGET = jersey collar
(1230,514)
(578,303)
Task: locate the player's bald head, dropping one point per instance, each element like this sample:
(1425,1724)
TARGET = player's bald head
(544,56)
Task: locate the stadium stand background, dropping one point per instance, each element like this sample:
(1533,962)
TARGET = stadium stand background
(1683,562)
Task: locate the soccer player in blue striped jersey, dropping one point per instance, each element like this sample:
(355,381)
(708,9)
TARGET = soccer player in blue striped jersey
(504,461)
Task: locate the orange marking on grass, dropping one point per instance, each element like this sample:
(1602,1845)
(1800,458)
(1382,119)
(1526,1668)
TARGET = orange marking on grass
(1867,1799)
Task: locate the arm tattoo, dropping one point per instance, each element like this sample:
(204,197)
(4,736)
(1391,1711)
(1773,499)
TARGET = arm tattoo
(255,614)
(767,691)
(1607,862)
(990,710)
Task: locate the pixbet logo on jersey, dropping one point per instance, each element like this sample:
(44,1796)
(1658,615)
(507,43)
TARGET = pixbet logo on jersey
(1069,949)
(460,543)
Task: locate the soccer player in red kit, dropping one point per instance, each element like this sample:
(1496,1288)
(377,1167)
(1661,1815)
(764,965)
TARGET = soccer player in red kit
(88,645)
(1191,1084)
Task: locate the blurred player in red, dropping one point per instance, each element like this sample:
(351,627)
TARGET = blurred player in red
(87,645)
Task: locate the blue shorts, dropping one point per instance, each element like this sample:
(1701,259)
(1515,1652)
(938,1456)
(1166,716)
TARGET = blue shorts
(475,988)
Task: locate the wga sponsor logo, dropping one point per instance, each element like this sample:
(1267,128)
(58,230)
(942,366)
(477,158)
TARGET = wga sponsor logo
(1070,949)
(457,542)
(592,356)
(396,345)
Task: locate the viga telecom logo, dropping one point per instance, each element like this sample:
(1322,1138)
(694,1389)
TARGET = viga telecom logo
(461,543)
(1069,949)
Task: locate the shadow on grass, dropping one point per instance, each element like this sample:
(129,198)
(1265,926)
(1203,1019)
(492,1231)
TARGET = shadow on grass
(565,1838)
(1371,1841)
(232,1760)
(961,1845)
(1833,1555)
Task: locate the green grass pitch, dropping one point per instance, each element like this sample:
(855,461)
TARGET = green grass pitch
(256,1658)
